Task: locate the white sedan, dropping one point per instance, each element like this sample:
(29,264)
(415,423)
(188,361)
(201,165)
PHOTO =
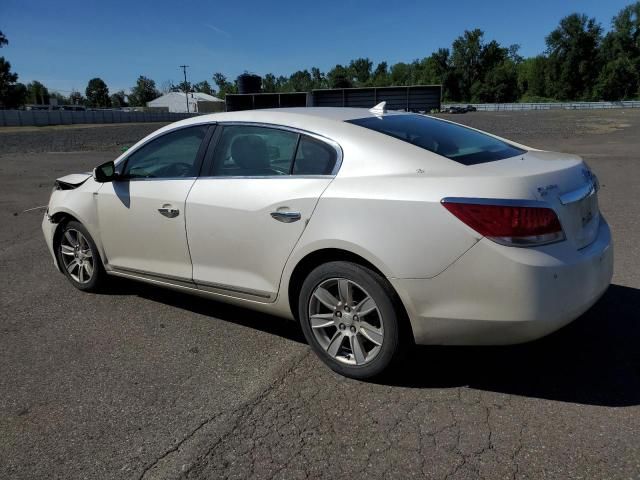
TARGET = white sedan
(373,229)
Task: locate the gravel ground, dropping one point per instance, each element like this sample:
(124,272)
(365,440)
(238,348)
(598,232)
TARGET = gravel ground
(141,383)
(72,138)
(552,125)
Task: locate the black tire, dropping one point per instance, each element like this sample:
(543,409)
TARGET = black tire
(98,275)
(391,317)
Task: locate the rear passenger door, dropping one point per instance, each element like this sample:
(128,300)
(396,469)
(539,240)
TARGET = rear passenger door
(245,217)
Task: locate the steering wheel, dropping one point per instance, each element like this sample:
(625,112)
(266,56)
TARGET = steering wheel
(180,169)
(277,171)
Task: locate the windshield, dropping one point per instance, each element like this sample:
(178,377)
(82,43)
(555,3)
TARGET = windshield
(455,142)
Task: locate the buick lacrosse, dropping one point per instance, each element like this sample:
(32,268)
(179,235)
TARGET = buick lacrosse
(373,229)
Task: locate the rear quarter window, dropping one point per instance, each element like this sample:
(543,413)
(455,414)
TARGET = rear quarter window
(314,157)
(455,142)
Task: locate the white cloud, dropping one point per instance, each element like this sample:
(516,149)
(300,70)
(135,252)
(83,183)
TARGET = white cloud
(218,30)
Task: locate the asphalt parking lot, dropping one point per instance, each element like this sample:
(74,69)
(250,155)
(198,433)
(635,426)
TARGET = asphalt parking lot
(141,383)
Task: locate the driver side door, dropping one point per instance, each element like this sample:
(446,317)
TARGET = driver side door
(141,214)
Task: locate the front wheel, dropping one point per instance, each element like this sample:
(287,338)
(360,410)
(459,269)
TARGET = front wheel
(79,258)
(350,317)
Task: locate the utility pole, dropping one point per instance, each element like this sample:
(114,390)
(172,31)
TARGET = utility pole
(186,92)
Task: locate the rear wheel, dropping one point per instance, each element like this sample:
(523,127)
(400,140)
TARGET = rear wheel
(350,318)
(78,257)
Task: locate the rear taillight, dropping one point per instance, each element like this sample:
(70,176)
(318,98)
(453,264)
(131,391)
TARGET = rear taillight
(508,224)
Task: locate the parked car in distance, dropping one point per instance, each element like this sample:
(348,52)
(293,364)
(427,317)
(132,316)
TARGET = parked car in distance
(458,109)
(373,229)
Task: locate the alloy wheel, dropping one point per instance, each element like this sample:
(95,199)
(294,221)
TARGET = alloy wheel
(77,256)
(346,321)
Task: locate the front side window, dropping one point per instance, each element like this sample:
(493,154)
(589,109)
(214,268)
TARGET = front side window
(249,151)
(455,142)
(168,156)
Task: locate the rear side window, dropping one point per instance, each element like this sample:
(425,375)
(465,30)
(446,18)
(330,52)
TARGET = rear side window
(455,142)
(314,157)
(250,151)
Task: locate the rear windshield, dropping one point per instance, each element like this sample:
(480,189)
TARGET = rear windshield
(455,142)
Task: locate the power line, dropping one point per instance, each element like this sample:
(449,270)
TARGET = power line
(186,90)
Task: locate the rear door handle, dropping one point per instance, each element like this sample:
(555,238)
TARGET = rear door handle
(168,211)
(286,217)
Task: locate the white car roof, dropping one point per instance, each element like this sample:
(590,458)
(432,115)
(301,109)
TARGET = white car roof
(325,121)
(282,115)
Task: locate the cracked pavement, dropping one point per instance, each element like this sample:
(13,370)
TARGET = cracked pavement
(143,383)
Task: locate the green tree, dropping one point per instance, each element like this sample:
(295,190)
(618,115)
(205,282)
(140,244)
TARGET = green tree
(97,93)
(498,75)
(184,87)
(269,83)
(7,79)
(37,93)
(318,79)
(380,77)
(500,84)
(282,83)
(573,57)
(224,86)
(532,77)
(466,61)
(8,93)
(76,98)
(482,72)
(300,81)
(620,57)
(16,96)
(338,77)
(618,80)
(402,74)
(59,98)
(360,71)
(624,37)
(434,69)
(144,91)
(119,99)
(437,70)
(203,87)
(491,56)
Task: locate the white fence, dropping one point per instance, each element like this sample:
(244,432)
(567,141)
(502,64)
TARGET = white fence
(17,118)
(495,107)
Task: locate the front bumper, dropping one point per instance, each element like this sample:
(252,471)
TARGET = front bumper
(497,295)
(49,230)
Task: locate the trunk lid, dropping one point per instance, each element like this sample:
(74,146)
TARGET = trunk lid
(563,181)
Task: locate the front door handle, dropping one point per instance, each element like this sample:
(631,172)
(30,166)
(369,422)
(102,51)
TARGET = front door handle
(286,217)
(168,211)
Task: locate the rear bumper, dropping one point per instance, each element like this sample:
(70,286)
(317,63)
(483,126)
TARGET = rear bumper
(497,295)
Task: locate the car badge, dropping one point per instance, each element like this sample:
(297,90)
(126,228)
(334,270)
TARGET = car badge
(543,191)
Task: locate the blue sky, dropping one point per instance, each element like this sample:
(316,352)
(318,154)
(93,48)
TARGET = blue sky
(65,43)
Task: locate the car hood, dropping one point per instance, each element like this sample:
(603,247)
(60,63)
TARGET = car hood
(73,181)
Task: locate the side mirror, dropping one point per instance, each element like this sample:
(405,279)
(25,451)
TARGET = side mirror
(105,173)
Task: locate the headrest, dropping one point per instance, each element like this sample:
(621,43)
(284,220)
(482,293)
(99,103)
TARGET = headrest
(250,152)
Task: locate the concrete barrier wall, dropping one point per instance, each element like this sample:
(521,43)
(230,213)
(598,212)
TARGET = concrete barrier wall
(496,107)
(18,118)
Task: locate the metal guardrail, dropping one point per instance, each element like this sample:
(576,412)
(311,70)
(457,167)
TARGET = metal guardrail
(18,118)
(509,107)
